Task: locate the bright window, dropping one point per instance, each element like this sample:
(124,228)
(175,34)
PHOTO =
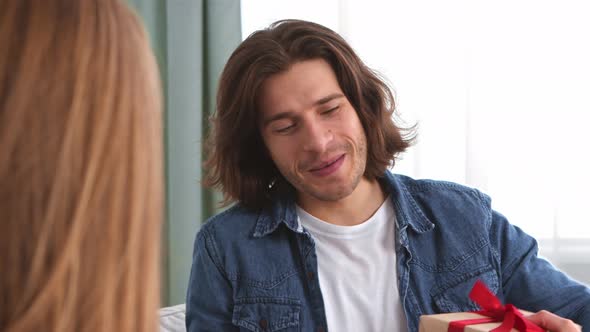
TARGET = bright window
(501,93)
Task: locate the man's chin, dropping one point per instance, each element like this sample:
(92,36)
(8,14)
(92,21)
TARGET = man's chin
(331,195)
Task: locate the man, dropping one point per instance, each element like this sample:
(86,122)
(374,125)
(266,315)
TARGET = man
(322,235)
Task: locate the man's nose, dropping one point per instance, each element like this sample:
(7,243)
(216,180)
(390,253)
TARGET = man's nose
(316,137)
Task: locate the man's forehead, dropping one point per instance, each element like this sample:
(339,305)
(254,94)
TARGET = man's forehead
(301,86)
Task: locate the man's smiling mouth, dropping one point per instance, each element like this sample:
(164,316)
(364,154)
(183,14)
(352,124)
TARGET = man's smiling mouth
(328,167)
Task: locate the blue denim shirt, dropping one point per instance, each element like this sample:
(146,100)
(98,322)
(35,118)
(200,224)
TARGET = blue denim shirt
(256,272)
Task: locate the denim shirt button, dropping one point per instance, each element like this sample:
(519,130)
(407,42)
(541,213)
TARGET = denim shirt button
(263,324)
(310,275)
(320,329)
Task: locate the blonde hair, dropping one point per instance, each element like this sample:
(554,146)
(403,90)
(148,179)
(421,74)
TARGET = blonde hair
(80,168)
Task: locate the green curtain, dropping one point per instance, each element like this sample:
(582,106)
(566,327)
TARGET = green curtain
(192,40)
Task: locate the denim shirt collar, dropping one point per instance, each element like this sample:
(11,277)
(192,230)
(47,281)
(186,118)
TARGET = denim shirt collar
(408,211)
(282,211)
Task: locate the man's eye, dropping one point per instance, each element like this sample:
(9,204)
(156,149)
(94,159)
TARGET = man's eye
(284,130)
(330,111)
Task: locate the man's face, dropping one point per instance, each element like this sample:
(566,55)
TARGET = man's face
(312,132)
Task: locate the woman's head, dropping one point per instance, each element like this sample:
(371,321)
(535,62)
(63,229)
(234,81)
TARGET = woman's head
(80,168)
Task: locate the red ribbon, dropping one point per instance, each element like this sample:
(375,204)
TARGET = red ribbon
(493,309)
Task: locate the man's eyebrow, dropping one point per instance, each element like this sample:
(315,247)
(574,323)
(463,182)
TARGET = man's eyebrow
(289,114)
(328,98)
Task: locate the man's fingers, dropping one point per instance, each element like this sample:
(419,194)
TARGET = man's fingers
(553,323)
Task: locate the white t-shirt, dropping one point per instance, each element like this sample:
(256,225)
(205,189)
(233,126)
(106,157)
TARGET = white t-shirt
(357,272)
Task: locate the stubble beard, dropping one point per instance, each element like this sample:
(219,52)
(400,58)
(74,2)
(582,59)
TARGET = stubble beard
(341,190)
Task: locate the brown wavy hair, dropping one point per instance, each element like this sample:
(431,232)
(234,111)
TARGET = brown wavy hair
(80,168)
(238,162)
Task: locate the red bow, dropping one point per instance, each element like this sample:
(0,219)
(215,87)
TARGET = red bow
(495,311)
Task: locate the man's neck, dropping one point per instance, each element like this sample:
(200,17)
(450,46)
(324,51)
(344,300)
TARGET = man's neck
(352,210)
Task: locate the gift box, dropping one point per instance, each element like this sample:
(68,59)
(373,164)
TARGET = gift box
(494,316)
(441,322)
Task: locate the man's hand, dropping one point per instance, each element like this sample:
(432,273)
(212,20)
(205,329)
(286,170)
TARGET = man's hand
(553,323)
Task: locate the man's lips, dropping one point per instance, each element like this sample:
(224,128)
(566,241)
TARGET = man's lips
(327,168)
(326,164)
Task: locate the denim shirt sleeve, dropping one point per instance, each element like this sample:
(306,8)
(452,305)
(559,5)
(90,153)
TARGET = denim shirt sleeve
(208,303)
(532,283)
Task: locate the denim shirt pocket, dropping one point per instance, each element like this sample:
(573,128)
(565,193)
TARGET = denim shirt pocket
(453,295)
(267,314)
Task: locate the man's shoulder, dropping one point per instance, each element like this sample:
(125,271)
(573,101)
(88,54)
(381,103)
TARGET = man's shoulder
(441,201)
(433,189)
(234,222)
(461,215)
